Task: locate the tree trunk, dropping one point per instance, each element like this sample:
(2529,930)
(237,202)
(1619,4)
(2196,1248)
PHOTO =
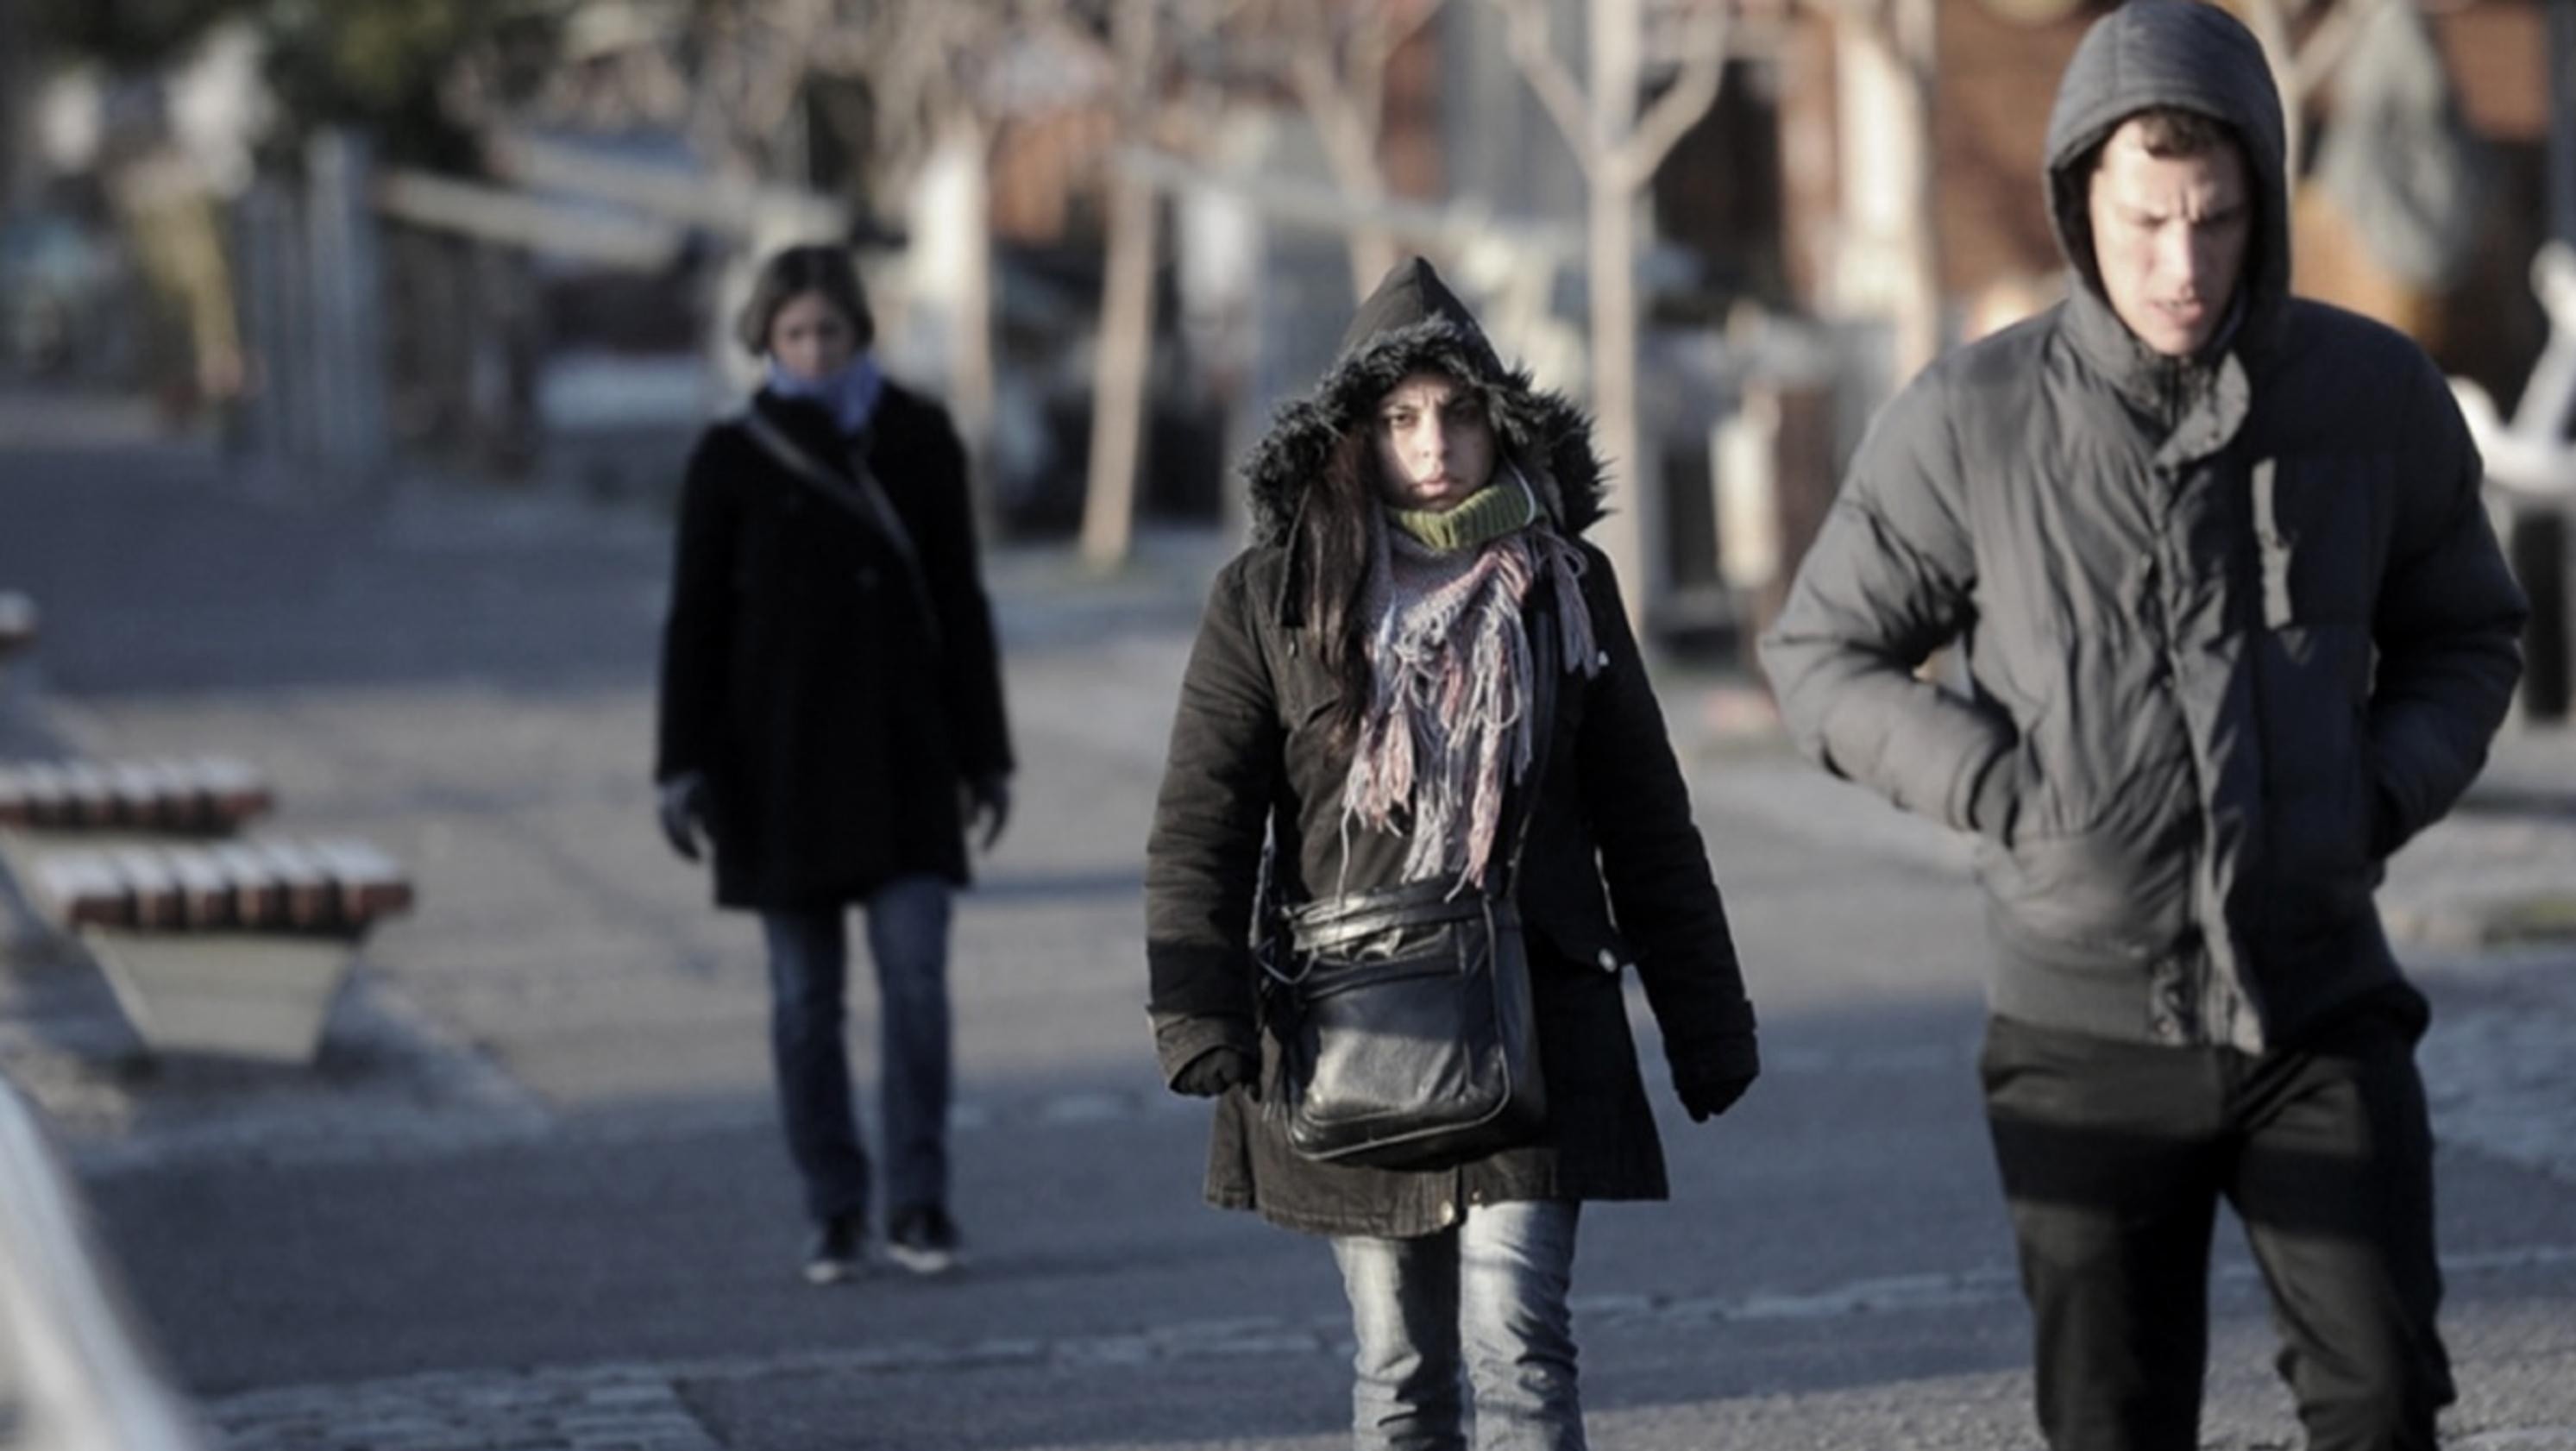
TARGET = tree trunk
(1118,378)
(1625,533)
(1890,261)
(971,382)
(1126,324)
(1611,231)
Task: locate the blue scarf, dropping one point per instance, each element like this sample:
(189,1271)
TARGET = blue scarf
(850,395)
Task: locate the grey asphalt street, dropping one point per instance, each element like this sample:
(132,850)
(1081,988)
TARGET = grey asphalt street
(531,1196)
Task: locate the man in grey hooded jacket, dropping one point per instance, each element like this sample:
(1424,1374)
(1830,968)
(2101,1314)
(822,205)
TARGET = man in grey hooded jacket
(2235,627)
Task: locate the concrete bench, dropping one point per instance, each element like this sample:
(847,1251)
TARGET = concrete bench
(236,946)
(209,795)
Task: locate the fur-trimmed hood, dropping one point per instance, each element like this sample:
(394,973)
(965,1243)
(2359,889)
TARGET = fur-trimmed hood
(1413,323)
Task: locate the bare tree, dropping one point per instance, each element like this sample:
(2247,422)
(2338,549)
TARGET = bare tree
(2302,67)
(1619,150)
(1182,64)
(1335,58)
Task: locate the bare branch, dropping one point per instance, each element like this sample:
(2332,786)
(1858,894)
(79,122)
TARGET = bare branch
(1383,29)
(1526,32)
(2329,43)
(1680,108)
(1862,12)
(1408,23)
(1350,143)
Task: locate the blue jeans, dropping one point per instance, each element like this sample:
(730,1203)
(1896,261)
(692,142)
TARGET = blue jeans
(1486,1298)
(907,925)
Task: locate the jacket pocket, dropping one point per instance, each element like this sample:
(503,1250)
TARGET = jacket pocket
(2108,899)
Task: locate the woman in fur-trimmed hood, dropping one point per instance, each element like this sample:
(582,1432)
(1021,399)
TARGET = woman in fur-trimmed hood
(1366,693)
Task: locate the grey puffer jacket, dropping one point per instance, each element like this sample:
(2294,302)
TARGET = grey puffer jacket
(2236,626)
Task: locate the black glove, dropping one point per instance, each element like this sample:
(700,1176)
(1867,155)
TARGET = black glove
(988,801)
(1708,1095)
(1215,1071)
(684,813)
(1711,1077)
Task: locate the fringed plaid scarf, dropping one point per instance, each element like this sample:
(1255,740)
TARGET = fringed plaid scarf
(1448,727)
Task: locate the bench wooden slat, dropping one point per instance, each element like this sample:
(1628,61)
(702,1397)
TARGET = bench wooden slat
(232,791)
(90,794)
(332,883)
(158,902)
(46,792)
(134,793)
(370,883)
(195,794)
(158,796)
(184,805)
(308,885)
(258,898)
(205,892)
(84,888)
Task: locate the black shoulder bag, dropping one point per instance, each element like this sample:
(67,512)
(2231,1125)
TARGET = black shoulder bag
(1408,1037)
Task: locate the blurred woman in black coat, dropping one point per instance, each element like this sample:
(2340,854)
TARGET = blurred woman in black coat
(831,717)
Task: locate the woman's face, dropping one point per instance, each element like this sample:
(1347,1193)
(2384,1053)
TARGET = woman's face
(1434,444)
(811,337)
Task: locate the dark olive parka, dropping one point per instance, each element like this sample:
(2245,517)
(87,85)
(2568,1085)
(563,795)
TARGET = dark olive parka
(834,716)
(2235,626)
(1250,743)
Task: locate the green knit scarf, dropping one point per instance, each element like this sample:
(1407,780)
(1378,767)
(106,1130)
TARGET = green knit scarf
(1479,519)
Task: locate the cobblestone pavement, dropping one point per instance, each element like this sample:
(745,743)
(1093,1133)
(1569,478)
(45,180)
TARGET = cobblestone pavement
(550,1079)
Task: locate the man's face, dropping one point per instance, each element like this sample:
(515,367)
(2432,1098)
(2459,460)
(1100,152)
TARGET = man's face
(2169,235)
(1434,444)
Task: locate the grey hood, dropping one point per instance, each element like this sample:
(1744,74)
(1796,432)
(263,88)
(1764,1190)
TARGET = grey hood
(2196,57)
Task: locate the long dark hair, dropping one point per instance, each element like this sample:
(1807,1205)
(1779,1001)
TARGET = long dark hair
(1333,539)
(792,273)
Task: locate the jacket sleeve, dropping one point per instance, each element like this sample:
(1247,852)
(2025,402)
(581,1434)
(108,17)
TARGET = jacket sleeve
(2448,625)
(971,661)
(697,631)
(1203,858)
(1662,894)
(1889,579)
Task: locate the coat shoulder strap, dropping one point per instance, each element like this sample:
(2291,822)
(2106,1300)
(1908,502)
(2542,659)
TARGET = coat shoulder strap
(857,493)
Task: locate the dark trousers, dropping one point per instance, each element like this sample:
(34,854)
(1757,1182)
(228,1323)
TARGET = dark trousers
(809,955)
(2115,1156)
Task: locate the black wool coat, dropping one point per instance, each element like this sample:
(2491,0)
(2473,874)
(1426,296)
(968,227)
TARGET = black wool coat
(1611,831)
(834,709)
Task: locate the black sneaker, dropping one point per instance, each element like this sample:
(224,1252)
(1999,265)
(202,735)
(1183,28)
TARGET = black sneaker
(923,1239)
(838,1250)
